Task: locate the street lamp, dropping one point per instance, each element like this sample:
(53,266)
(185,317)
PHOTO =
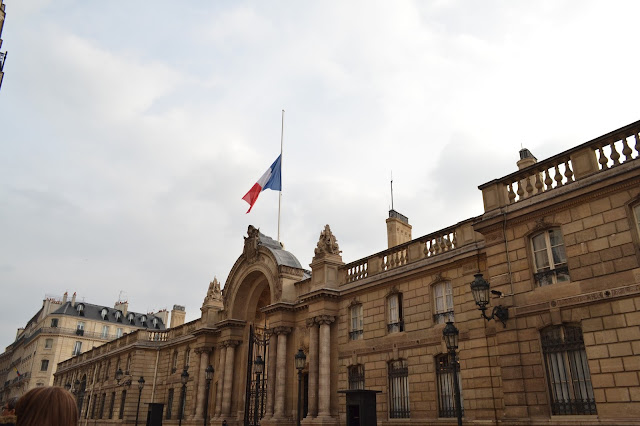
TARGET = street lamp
(208,376)
(300,359)
(140,386)
(480,291)
(184,378)
(450,334)
(259,368)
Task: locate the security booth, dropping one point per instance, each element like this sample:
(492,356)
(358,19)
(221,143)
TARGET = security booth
(154,414)
(361,407)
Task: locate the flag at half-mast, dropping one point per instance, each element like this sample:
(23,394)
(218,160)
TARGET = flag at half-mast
(270,179)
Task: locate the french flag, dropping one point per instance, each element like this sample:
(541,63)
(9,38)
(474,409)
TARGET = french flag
(270,179)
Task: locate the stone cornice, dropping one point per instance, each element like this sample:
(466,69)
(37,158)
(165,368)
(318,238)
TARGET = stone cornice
(323,293)
(579,299)
(230,323)
(278,307)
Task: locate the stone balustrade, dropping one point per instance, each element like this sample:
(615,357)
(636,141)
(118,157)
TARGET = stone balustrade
(595,156)
(428,246)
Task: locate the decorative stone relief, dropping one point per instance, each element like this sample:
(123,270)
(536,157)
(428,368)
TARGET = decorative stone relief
(250,251)
(325,319)
(214,292)
(281,330)
(327,244)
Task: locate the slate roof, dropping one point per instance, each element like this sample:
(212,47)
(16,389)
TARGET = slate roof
(283,257)
(93,312)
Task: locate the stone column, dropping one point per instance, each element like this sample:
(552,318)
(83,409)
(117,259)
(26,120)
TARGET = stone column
(221,363)
(228,378)
(201,383)
(271,375)
(324,376)
(281,373)
(313,367)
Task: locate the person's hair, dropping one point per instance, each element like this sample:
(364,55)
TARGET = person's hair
(47,406)
(11,403)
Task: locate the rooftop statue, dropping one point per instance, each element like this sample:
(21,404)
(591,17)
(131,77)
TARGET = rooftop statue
(327,244)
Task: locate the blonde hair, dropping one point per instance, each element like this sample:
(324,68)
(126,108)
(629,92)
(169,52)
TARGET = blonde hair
(47,406)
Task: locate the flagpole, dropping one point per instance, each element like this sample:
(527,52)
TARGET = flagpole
(280,194)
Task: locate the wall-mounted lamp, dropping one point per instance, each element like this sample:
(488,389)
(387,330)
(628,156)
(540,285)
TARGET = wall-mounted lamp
(480,290)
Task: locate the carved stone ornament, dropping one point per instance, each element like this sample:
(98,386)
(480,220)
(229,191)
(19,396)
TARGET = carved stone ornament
(325,319)
(250,251)
(214,292)
(282,330)
(327,244)
(541,225)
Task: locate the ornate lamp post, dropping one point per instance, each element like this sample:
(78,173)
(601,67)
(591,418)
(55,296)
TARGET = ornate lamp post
(208,376)
(450,334)
(259,369)
(140,386)
(480,290)
(184,378)
(300,359)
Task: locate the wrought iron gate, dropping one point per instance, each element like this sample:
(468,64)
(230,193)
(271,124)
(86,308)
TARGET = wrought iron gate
(256,390)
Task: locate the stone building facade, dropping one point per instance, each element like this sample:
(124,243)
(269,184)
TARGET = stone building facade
(61,329)
(559,242)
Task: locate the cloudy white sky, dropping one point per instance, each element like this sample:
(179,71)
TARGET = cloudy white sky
(131,130)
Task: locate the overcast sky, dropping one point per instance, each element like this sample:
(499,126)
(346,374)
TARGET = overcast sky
(131,130)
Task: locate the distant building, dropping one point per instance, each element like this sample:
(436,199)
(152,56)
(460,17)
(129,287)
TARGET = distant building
(559,243)
(3,55)
(61,329)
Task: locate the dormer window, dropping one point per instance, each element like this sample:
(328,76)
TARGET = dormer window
(80,309)
(131,317)
(155,323)
(118,316)
(143,319)
(104,313)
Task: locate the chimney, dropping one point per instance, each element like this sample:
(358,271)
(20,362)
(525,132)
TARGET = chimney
(398,229)
(73,300)
(122,305)
(64,297)
(526,159)
(177,316)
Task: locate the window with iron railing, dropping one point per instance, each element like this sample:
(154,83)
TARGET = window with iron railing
(445,384)
(399,389)
(169,404)
(356,377)
(568,373)
(549,257)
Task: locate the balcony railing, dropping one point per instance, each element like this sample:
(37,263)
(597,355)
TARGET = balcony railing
(603,153)
(428,246)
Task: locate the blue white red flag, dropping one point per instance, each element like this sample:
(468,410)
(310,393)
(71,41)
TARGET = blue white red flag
(270,179)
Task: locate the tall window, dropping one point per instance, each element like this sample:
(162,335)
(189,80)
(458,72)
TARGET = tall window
(395,319)
(356,328)
(128,364)
(106,371)
(549,257)
(169,404)
(636,213)
(48,343)
(102,401)
(111,404)
(187,357)
(105,331)
(123,399)
(444,381)
(174,362)
(442,302)
(398,389)
(80,328)
(356,376)
(568,373)
(44,365)
(54,322)
(77,348)
(118,333)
